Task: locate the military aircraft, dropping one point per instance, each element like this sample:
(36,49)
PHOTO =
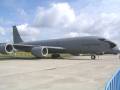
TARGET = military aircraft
(91,45)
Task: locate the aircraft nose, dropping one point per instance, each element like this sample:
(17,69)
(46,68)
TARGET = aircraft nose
(112,45)
(116,50)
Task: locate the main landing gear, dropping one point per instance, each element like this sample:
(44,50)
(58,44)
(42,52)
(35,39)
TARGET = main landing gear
(54,56)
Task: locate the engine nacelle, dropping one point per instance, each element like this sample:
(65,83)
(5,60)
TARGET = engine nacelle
(39,51)
(6,48)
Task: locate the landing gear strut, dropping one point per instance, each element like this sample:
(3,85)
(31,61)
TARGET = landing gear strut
(93,57)
(55,56)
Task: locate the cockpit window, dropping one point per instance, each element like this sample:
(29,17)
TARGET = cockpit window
(112,45)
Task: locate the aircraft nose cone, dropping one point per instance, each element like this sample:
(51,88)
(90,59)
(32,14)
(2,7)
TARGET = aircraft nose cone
(116,49)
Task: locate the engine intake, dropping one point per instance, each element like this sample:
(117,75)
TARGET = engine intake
(6,48)
(39,51)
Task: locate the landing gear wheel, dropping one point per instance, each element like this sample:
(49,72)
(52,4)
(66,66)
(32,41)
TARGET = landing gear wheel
(54,56)
(93,57)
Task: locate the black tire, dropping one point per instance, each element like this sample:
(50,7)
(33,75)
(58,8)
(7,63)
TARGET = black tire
(93,57)
(54,56)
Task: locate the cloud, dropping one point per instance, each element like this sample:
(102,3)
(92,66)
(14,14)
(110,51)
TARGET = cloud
(28,32)
(4,21)
(2,31)
(5,34)
(49,22)
(22,12)
(58,15)
(72,34)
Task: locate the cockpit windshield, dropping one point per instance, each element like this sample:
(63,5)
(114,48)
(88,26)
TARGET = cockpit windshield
(112,45)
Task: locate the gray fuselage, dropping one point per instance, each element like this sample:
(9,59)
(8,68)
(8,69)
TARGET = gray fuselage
(83,45)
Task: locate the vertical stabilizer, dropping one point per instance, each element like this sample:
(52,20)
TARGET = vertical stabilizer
(16,36)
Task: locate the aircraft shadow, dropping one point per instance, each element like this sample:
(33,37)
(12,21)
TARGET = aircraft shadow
(11,58)
(26,58)
(48,58)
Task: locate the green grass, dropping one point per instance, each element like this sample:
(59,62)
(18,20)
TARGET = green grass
(17,54)
(27,55)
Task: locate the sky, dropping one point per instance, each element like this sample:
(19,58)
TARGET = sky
(49,19)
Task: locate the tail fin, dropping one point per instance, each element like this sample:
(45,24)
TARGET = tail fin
(16,36)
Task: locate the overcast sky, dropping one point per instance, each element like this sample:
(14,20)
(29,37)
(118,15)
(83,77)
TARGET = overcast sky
(48,19)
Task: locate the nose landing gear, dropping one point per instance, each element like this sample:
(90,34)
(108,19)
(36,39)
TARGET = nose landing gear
(93,57)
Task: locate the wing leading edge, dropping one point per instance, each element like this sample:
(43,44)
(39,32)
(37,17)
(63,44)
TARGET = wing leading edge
(22,47)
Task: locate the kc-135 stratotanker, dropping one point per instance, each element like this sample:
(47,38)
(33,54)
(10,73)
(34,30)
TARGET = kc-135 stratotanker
(90,45)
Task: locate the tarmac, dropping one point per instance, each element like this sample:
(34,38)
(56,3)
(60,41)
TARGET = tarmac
(73,73)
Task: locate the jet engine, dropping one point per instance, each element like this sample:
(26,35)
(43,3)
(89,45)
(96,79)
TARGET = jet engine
(6,48)
(39,51)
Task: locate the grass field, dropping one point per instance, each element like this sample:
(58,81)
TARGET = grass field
(26,55)
(17,54)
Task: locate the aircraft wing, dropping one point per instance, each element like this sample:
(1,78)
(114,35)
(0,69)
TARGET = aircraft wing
(22,47)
